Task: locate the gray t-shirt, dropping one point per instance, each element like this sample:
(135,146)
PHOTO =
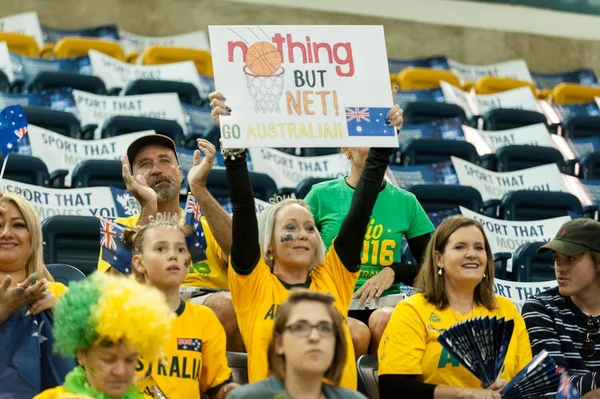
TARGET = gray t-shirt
(272,388)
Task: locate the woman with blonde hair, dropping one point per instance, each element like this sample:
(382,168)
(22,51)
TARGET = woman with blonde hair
(455,283)
(308,345)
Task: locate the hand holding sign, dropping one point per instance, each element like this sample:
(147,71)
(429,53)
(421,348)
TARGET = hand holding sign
(218,107)
(202,166)
(138,187)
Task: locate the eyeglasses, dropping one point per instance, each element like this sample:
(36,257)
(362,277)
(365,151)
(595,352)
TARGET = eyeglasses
(303,328)
(588,349)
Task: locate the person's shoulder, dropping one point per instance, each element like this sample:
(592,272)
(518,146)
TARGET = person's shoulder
(343,393)
(199,311)
(398,192)
(548,298)
(265,386)
(329,185)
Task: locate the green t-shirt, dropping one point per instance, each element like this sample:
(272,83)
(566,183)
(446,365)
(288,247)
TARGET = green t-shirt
(396,214)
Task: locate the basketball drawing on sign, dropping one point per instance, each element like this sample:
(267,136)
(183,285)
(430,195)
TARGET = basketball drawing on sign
(264,73)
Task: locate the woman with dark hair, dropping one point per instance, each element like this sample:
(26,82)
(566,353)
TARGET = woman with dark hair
(456,283)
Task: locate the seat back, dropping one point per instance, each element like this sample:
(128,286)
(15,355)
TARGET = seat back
(368,383)
(504,118)
(74,240)
(573,93)
(426,151)
(20,44)
(529,266)
(155,55)
(238,363)
(425,78)
(427,111)
(590,166)
(537,205)
(4,82)
(27,169)
(54,80)
(187,92)
(440,197)
(61,122)
(98,173)
(517,157)
(118,125)
(303,188)
(263,185)
(65,274)
(68,47)
(494,84)
(578,126)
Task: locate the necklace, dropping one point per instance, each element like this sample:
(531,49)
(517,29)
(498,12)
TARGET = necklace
(456,317)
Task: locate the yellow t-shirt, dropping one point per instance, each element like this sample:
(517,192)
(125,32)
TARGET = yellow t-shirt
(57,289)
(195,357)
(62,393)
(409,344)
(256,297)
(211,273)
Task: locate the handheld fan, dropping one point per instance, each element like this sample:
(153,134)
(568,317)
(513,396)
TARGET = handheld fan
(539,378)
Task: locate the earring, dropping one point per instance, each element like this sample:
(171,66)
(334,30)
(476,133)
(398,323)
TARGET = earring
(440,271)
(483,275)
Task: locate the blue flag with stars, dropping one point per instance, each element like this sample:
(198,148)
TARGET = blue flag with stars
(364,121)
(13,126)
(197,241)
(28,364)
(116,252)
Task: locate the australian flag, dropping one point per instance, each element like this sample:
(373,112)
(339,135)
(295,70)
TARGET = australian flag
(13,126)
(368,122)
(189,344)
(197,241)
(566,389)
(115,251)
(28,364)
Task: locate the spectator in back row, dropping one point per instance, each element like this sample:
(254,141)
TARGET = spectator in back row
(153,176)
(454,284)
(565,321)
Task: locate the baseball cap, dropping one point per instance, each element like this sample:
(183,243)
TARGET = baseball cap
(151,139)
(574,237)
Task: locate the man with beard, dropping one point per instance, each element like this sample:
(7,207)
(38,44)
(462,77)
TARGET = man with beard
(153,176)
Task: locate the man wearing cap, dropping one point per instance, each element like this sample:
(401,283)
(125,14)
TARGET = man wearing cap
(153,176)
(565,320)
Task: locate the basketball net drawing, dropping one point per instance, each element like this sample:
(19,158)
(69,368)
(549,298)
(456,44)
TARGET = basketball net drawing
(264,76)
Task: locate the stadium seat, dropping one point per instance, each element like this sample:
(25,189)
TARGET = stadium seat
(427,111)
(303,188)
(579,126)
(425,78)
(118,125)
(517,157)
(61,122)
(529,266)
(501,265)
(537,205)
(187,92)
(74,240)
(263,185)
(440,197)
(69,47)
(589,166)
(238,363)
(98,173)
(493,85)
(132,57)
(423,151)
(368,384)
(4,83)
(155,55)
(504,118)
(20,44)
(65,273)
(31,170)
(571,93)
(47,51)
(54,80)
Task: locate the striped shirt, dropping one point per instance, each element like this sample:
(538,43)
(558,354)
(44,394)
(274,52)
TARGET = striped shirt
(555,324)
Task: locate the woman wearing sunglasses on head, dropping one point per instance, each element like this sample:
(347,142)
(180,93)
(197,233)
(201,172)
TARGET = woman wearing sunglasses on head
(308,344)
(565,321)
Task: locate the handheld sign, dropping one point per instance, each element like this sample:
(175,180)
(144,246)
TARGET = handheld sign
(303,86)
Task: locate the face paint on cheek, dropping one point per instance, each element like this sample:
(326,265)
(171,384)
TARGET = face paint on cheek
(286,238)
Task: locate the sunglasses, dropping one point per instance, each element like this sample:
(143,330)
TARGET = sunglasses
(588,349)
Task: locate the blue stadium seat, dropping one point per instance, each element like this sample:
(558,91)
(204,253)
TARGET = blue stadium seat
(425,111)
(578,126)
(74,240)
(440,197)
(31,170)
(529,266)
(98,173)
(589,166)
(368,384)
(61,122)
(118,125)
(56,80)
(4,83)
(238,363)
(427,151)
(537,205)
(187,92)
(65,274)
(303,188)
(517,157)
(503,118)
(263,185)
